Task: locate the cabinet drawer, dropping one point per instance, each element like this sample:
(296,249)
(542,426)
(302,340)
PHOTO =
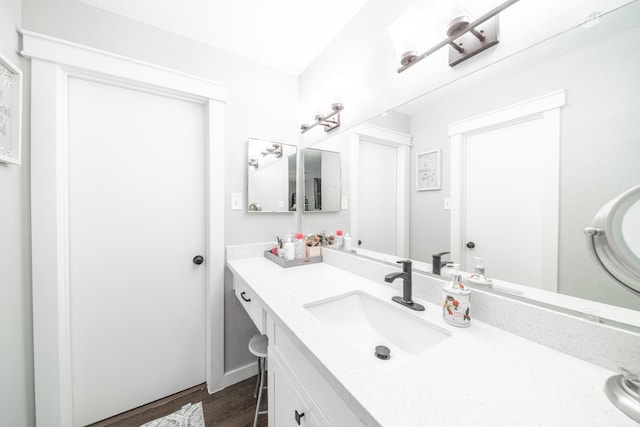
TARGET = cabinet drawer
(250,303)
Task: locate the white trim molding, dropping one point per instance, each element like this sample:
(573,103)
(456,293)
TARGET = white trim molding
(509,113)
(90,60)
(53,62)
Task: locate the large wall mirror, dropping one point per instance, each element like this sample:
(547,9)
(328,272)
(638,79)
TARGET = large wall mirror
(271,176)
(322,180)
(597,153)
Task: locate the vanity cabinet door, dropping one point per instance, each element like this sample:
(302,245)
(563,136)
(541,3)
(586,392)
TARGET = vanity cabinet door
(289,403)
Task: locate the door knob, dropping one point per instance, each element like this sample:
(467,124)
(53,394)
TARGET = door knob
(359,242)
(198,259)
(471,245)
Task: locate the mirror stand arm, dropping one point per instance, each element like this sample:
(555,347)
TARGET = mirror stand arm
(591,234)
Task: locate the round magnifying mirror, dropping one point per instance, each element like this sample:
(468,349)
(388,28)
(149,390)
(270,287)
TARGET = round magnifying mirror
(614,239)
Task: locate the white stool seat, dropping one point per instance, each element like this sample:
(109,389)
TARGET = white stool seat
(258,345)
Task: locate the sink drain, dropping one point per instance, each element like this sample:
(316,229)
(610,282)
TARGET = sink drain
(382,352)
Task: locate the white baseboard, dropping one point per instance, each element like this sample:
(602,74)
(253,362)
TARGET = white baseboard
(236,375)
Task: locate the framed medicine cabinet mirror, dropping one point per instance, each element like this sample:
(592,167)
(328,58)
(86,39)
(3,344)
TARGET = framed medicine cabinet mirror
(271,176)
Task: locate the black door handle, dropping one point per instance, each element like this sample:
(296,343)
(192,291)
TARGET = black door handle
(242,295)
(359,242)
(298,416)
(471,245)
(198,259)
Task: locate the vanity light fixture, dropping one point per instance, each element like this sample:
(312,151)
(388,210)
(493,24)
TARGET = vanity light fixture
(253,163)
(328,121)
(466,38)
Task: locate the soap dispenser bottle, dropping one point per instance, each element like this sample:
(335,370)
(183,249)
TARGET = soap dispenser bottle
(478,277)
(457,301)
(347,242)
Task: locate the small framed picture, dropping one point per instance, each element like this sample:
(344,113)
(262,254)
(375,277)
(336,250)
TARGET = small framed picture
(428,171)
(10,112)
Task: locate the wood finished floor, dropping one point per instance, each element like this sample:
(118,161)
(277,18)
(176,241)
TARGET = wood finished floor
(232,407)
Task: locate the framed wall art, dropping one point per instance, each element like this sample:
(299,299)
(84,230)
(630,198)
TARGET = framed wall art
(428,171)
(10,112)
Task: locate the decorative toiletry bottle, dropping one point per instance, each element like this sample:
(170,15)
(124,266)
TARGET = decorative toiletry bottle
(478,278)
(339,239)
(300,246)
(347,242)
(289,249)
(457,302)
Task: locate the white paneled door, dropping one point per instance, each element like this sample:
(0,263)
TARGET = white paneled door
(506,205)
(377,185)
(136,173)
(504,191)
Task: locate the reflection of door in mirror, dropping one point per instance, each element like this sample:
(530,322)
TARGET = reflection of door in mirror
(379,172)
(376,187)
(505,193)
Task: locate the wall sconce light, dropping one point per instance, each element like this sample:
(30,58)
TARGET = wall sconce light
(329,121)
(465,38)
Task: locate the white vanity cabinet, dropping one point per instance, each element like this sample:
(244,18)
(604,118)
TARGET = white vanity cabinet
(296,387)
(298,394)
(289,402)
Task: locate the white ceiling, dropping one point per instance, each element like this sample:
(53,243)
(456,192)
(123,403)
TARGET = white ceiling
(283,34)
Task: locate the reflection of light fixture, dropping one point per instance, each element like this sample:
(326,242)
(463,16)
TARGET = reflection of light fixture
(275,149)
(329,121)
(466,38)
(253,163)
(591,20)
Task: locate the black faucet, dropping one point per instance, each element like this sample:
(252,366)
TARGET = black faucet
(437,264)
(406,286)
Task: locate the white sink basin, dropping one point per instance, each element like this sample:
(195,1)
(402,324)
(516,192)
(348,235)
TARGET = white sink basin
(364,322)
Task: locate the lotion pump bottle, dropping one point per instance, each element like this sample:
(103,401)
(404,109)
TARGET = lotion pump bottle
(289,249)
(456,307)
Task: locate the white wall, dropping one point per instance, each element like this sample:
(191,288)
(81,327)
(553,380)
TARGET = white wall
(16,349)
(261,103)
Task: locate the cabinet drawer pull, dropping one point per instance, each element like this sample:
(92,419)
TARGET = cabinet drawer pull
(243,297)
(298,416)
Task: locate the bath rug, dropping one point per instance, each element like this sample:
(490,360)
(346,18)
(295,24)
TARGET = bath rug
(189,416)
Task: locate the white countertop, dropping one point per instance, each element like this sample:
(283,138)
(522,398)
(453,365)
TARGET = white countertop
(479,376)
